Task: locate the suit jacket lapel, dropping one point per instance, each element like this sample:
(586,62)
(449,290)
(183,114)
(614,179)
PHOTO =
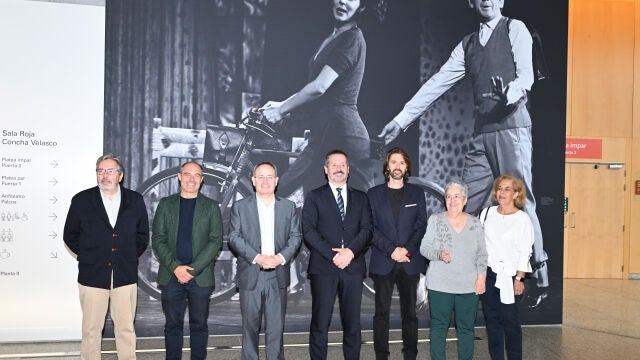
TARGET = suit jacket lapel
(254,218)
(198,213)
(278,235)
(331,200)
(123,205)
(386,205)
(100,205)
(405,197)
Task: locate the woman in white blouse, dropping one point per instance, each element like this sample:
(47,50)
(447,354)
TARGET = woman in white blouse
(509,238)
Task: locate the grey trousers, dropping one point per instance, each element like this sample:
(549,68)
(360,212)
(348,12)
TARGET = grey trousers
(504,152)
(268,299)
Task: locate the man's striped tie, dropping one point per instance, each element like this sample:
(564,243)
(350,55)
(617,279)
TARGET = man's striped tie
(340,204)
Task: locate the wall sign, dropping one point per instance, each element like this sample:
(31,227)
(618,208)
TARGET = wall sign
(577,148)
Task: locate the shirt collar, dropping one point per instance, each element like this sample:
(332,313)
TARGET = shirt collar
(343,188)
(491,24)
(263,205)
(115,197)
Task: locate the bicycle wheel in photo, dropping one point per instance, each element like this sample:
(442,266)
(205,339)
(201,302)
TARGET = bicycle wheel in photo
(164,184)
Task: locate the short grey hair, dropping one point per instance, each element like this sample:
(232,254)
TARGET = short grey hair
(457,184)
(110,156)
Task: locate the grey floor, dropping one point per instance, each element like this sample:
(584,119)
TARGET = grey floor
(601,320)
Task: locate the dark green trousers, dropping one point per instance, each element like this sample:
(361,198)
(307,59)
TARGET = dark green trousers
(441,305)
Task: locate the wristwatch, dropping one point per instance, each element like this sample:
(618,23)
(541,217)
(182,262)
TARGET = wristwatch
(521,279)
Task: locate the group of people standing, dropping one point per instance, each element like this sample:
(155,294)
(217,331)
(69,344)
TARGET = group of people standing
(107,229)
(478,258)
(469,257)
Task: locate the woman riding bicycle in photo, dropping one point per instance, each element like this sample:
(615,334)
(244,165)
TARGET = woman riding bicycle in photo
(330,99)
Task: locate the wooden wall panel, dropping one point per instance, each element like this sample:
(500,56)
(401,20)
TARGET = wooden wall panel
(601,63)
(603,94)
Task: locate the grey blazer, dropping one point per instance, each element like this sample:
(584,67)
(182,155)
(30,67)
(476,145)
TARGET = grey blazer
(245,240)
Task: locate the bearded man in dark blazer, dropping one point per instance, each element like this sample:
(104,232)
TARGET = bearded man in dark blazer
(399,222)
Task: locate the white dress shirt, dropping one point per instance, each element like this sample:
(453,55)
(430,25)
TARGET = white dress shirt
(343,192)
(266,216)
(112,206)
(267,219)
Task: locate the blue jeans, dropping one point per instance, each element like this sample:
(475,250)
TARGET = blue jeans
(175,297)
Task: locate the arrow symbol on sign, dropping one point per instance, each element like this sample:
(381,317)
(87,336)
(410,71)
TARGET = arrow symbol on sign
(54,255)
(53,200)
(54,164)
(53,181)
(53,235)
(53,216)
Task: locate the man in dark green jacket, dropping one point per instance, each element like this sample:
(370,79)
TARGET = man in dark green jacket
(187,236)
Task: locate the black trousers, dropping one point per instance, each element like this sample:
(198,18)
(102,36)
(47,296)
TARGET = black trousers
(407,289)
(324,288)
(502,321)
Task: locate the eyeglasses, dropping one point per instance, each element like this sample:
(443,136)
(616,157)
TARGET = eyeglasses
(264,177)
(111,171)
(454,197)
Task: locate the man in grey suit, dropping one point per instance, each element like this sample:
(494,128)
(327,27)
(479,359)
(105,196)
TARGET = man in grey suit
(265,235)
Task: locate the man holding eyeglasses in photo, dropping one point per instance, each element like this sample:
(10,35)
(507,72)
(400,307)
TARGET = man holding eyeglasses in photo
(107,229)
(187,236)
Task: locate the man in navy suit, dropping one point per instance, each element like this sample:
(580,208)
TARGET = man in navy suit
(265,235)
(336,223)
(107,228)
(399,222)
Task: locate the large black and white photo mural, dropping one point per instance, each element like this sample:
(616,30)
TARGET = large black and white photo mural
(182,76)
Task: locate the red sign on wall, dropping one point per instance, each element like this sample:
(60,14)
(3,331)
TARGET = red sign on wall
(583,148)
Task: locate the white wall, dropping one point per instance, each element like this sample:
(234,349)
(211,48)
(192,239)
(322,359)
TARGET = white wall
(51,90)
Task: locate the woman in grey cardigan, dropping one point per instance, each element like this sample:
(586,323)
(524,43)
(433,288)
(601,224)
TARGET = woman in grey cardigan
(454,243)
